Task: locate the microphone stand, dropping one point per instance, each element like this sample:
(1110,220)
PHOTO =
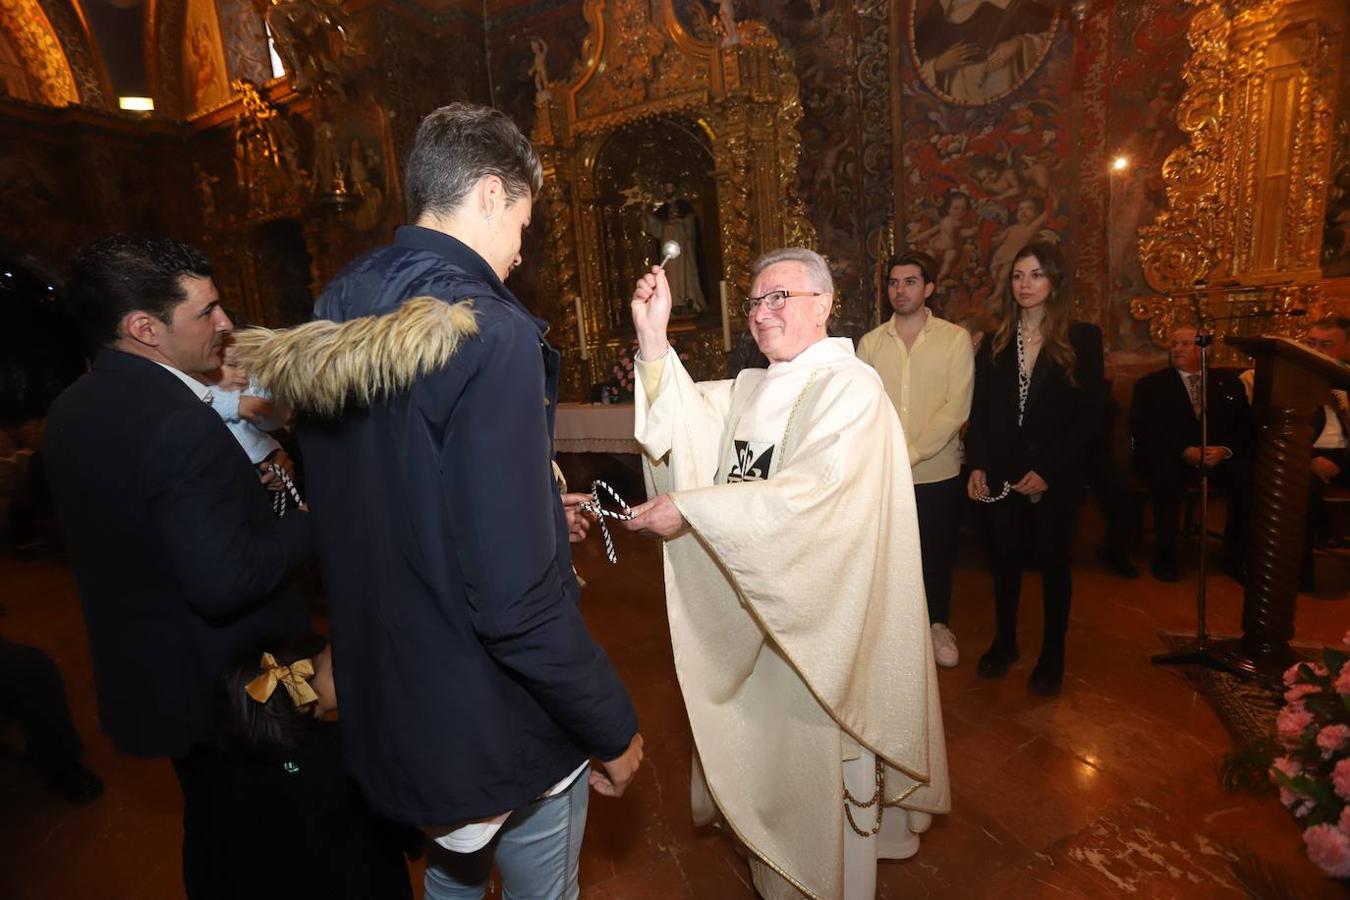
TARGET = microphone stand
(1201,650)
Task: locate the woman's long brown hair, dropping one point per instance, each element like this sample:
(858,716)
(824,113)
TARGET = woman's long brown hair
(1055,325)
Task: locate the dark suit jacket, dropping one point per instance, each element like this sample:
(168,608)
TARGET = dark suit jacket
(180,562)
(1162,423)
(1062,417)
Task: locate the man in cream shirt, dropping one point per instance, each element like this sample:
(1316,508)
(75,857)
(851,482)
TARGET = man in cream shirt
(927,366)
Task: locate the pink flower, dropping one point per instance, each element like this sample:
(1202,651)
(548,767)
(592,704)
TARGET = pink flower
(1346,640)
(1343,680)
(1296,693)
(1332,738)
(1290,768)
(1329,847)
(1340,779)
(1291,675)
(1292,722)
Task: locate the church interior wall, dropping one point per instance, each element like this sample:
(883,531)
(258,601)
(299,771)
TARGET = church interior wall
(886,153)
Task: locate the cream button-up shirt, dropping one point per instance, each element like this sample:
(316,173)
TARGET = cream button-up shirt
(930,386)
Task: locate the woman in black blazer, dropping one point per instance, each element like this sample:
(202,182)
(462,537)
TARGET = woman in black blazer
(1034,410)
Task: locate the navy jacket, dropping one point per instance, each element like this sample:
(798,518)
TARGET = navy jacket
(467,680)
(180,561)
(1062,417)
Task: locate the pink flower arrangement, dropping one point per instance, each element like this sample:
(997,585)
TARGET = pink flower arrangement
(622,371)
(1333,738)
(1329,847)
(1313,775)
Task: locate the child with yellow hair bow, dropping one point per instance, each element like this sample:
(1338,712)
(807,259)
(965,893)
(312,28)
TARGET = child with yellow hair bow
(288,816)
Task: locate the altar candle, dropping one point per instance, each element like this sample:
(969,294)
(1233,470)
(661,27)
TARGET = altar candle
(726,316)
(581,330)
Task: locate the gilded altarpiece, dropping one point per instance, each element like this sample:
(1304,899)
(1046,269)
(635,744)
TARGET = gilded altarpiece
(643,72)
(1247,193)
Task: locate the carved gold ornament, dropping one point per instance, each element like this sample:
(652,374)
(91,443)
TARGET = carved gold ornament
(641,65)
(1246,193)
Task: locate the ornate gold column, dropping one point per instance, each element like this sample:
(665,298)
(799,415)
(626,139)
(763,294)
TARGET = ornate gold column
(1247,191)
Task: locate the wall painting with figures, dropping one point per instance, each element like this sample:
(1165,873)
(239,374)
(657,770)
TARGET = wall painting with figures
(206,78)
(985,89)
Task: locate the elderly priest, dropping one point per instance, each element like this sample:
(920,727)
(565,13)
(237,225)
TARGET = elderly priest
(794,590)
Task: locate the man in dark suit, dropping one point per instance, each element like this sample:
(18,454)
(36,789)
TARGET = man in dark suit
(1165,434)
(180,562)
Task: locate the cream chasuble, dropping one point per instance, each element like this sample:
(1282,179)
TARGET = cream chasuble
(796,605)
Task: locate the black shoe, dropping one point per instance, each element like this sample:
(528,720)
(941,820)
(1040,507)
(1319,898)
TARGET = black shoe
(77,784)
(996,661)
(1047,677)
(1120,563)
(1165,569)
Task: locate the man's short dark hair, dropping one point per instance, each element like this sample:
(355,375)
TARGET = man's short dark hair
(1340,323)
(459,144)
(918,258)
(122,273)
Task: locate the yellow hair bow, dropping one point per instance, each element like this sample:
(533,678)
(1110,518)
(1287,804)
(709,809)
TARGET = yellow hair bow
(295,678)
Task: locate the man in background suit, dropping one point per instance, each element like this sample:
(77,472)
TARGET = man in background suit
(1331,444)
(180,562)
(1165,435)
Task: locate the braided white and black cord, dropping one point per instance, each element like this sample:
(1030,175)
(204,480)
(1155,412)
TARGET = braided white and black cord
(594,508)
(279,497)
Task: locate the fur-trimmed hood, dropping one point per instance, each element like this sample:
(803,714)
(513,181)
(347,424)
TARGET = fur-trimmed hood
(321,367)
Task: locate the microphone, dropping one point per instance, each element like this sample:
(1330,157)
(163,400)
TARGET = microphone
(669,250)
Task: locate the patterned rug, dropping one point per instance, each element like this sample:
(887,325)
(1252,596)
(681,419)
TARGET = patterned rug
(1246,706)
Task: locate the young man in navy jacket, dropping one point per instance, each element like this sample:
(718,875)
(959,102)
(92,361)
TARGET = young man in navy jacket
(472,694)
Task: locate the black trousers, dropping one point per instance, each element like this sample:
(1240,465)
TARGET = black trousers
(198,776)
(33,694)
(939,505)
(1317,506)
(1049,524)
(1167,490)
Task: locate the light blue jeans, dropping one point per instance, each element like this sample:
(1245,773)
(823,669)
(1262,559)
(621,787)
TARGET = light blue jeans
(536,852)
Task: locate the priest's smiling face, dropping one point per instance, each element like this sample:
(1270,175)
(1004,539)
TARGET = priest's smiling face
(783,333)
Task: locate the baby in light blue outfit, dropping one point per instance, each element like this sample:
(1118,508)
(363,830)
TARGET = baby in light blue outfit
(231,385)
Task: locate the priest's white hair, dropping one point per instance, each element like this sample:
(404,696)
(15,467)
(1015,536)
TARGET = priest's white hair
(817,270)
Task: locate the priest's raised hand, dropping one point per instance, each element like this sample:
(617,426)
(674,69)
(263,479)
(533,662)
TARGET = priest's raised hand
(651,313)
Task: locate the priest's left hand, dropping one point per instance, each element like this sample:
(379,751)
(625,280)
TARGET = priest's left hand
(1031,483)
(658,518)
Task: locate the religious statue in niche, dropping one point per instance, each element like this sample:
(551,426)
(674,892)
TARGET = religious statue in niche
(206,191)
(365,181)
(675,219)
(972,52)
(539,70)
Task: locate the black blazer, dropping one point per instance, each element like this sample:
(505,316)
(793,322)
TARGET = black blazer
(1062,417)
(1162,423)
(180,562)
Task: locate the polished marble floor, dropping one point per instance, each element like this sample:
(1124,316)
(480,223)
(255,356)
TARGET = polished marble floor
(1107,791)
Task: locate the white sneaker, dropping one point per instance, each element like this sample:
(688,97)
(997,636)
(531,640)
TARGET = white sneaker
(944,646)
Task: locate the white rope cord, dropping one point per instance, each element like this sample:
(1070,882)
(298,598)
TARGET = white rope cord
(1007,489)
(279,497)
(600,513)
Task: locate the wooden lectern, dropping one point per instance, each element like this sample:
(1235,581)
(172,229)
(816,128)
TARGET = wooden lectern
(1292,382)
